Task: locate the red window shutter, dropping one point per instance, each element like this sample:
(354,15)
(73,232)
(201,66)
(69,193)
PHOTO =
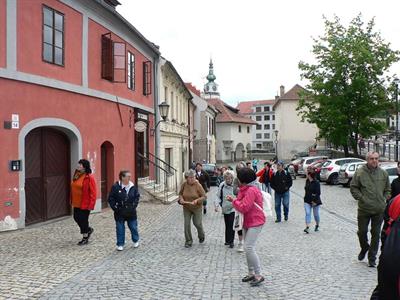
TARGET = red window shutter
(147,77)
(107,57)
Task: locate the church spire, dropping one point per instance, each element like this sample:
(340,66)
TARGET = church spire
(211,87)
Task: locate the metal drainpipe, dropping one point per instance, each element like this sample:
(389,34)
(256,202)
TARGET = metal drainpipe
(156,115)
(189,149)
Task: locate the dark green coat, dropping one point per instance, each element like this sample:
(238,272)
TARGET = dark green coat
(371,188)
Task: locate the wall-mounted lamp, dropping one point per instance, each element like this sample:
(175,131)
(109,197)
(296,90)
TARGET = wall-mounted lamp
(163,108)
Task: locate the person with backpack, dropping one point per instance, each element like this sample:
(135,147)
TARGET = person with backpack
(123,200)
(254,163)
(281,182)
(264,177)
(225,189)
(249,202)
(388,287)
(371,188)
(204,179)
(312,199)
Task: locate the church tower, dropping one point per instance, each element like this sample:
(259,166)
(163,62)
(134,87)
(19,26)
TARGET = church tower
(211,87)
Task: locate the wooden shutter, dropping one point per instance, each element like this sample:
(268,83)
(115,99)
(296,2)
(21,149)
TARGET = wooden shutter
(147,76)
(107,57)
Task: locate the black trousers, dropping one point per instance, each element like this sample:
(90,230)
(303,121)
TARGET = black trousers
(229,232)
(81,217)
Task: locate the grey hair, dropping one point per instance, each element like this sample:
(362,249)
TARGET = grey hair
(241,165)
(229,173)
(190,173)
(370,153)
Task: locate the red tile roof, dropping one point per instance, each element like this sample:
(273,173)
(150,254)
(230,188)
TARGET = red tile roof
(228,114)
(245,107)
(292,94)
(192,88)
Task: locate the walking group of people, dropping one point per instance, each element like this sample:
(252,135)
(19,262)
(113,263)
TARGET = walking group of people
(379,202)
(241,194)
(123,199)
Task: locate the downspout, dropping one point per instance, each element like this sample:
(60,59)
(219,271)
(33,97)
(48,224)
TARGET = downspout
(156,115)
(190,149)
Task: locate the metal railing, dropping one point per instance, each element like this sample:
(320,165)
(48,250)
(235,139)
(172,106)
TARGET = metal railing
(173,173)
(167,180)
(386,150)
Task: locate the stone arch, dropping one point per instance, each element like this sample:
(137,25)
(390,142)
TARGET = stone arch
(240,152)
(75,138)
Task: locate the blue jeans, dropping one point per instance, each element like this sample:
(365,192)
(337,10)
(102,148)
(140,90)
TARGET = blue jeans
(279,200)
(120,225)
(315,209)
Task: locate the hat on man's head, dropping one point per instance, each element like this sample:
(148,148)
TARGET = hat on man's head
(280,163)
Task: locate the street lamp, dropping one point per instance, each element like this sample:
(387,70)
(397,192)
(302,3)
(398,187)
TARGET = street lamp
(396,91)
(276,143)
(163,109)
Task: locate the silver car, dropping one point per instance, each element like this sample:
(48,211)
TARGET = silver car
(347,171)
(391,169)
(308,161)
(330,169)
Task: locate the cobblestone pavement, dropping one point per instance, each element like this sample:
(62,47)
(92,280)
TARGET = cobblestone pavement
(44,262)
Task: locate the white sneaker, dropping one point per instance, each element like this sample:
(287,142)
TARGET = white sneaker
(135,245)
(240,248)
(120,248)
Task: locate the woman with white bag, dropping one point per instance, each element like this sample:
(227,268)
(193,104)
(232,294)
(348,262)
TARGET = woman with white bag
(249,202)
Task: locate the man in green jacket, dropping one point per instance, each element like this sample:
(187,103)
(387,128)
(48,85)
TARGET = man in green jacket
(371,188)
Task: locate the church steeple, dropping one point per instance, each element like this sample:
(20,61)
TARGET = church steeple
(211,88)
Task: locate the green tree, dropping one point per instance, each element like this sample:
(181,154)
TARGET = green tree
(348,82)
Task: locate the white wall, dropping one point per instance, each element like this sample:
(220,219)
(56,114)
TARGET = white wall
(230,131)
(294,135)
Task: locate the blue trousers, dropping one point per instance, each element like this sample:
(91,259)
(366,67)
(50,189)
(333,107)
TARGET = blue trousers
(279,200)
(315,210)
(133,227)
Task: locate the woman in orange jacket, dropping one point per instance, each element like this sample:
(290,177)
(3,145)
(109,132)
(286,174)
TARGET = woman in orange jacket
(83,198)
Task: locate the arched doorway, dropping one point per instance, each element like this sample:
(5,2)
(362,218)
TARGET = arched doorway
(47,175)
(239,152)
(107,171)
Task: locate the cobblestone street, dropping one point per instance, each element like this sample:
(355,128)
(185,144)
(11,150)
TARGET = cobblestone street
(45,262)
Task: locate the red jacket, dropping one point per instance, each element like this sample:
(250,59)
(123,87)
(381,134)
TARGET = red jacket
(261,174)
(88,193)
(244,203)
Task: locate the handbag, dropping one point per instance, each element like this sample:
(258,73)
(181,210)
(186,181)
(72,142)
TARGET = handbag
(127,209)
(238,221)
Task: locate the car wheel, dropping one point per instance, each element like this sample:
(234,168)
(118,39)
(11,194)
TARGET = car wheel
(333,179)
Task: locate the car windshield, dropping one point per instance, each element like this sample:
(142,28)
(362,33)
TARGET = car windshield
(391,171)
(327,163)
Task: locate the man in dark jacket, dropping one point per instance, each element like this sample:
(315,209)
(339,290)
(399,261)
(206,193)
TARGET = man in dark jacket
(281,182)
(371,188)
(205,182)
(395,186)
(123,200)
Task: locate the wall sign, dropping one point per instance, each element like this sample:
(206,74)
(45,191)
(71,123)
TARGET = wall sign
(140,126)
(142,116)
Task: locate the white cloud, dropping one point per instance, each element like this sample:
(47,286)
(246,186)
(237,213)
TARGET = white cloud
(255,45)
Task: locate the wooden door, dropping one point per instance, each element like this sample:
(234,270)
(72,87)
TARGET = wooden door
(107,171)
(47,175)
(142,165)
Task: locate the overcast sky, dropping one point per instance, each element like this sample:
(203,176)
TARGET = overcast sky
(255,45)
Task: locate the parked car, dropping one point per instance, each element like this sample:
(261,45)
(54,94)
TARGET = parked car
(317,165)
(308,161)
(391,169)
(347,171)
(296,163)
(211,170)
(330,169)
